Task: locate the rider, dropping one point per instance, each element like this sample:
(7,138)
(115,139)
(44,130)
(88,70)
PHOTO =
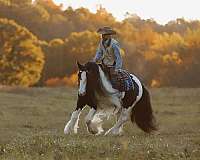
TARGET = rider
(108,51)
(109,54)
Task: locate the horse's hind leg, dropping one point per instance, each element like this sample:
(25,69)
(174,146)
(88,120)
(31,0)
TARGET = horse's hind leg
(127,103)
(72,124)
(117,128)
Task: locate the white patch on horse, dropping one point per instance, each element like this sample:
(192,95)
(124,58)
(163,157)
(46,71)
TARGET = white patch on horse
(83,83)
(140,92)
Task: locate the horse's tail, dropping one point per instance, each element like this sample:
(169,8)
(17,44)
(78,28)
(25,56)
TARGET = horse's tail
(142,113)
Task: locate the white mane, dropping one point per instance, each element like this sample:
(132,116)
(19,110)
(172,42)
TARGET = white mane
(106,83)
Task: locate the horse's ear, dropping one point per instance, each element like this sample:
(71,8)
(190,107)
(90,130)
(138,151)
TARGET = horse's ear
(80,66)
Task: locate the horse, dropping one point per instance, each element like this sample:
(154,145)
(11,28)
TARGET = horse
(96,89)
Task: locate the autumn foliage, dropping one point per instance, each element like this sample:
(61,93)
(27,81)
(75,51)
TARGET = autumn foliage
(66,81)
(41,42)
(21,57)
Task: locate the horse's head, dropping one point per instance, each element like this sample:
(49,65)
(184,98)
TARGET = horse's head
(88,77)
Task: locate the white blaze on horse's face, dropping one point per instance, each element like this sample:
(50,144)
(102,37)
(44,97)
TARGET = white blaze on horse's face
(83,83)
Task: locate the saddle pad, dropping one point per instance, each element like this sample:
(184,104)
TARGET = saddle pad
(121,80)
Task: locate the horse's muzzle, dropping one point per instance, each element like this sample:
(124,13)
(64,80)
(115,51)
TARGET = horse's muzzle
(82,94)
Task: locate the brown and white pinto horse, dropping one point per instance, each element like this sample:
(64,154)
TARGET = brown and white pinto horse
(95,89)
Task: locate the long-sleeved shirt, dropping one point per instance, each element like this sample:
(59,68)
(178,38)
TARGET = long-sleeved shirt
(110,55)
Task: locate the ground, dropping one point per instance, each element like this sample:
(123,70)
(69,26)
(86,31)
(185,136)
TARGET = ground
(32,122)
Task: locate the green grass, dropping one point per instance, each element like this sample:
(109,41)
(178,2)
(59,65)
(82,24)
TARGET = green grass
(32,122)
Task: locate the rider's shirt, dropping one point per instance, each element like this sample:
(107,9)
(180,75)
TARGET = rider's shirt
(109,54)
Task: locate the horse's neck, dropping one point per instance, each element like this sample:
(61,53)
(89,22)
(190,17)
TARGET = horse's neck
(106,83)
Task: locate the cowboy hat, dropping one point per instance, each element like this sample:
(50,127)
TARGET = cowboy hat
(106,30)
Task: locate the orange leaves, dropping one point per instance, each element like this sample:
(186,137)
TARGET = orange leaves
(66,81)
(174,57)
(71,80)
(168,42)
(155,83)
(82,45)
(192,38)
(21,58)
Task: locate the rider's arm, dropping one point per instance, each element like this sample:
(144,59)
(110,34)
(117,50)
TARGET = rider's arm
(99,55)
(118,58)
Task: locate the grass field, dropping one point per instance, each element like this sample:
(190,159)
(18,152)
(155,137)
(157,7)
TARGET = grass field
(32,122)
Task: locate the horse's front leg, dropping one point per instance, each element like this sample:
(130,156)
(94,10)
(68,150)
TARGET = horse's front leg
(88,120)
(122,118)
(72,124)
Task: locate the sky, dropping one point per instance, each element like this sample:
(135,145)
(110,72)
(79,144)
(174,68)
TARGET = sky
(162,11)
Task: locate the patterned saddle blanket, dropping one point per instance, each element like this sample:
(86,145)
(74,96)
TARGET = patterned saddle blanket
(121,80)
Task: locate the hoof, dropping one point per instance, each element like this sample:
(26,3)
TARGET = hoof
(66,130)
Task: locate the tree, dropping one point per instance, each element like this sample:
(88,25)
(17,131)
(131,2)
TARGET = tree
(21,2)
(21,58)
(80,47)
(55,53)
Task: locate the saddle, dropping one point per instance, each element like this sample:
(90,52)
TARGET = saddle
(120,79)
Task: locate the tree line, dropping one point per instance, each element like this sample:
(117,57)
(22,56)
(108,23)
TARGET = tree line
(41,41)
